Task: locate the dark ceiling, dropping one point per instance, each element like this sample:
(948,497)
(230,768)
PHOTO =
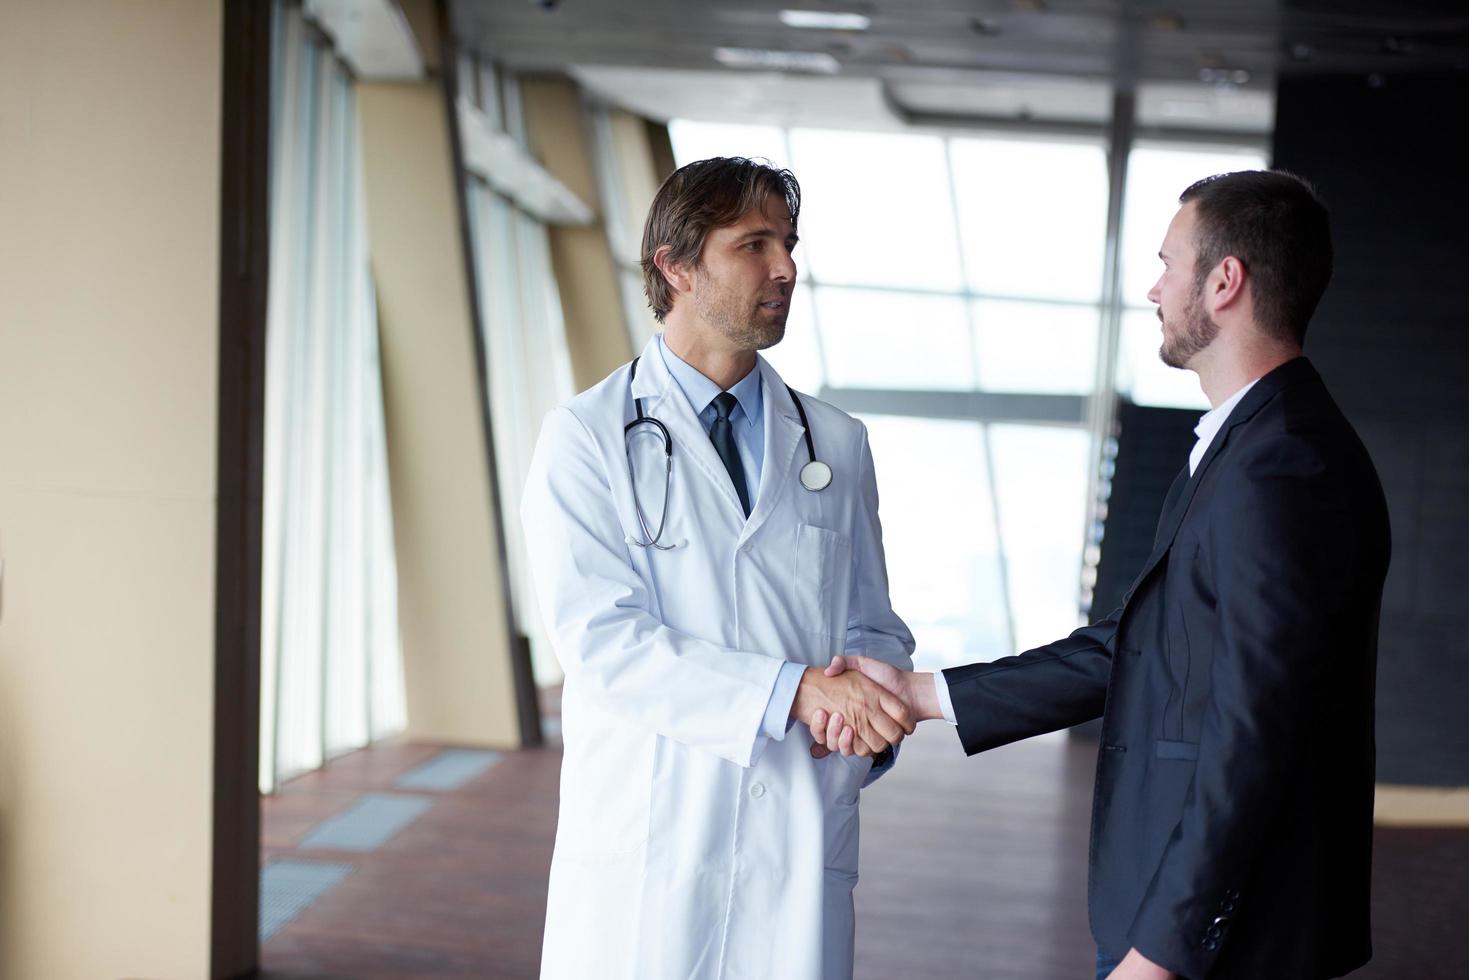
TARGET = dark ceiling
(1240,42)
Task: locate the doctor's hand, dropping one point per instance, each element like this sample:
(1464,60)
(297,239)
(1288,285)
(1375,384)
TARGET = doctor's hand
(832,733)
(1136,966)
(875,717)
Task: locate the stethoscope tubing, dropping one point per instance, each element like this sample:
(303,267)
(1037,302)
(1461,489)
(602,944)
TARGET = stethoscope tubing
(820,482)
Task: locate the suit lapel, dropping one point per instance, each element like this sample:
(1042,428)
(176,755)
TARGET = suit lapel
(1171,519)
(1170,506)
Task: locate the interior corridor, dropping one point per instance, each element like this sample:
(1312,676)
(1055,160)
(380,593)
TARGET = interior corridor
(970,868)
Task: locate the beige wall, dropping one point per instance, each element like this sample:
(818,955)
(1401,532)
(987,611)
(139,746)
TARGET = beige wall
(109,211)
(457,671)
(591,302)
(639,175)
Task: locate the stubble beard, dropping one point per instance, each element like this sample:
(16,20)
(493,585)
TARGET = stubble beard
(1191,333)
(738,320)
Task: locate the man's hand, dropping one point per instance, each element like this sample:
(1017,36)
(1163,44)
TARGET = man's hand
(1136,966)
(832,732)
(874,716)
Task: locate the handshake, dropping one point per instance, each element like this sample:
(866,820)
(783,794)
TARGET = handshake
(860,706)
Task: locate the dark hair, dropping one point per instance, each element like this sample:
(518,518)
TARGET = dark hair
(1276,225)
(696,199)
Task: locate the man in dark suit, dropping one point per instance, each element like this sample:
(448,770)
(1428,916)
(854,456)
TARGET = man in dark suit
(1232,815)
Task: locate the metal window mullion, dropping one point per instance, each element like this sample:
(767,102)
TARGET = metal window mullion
(971,327)
(1005,591)
(972,332)
(1103,409)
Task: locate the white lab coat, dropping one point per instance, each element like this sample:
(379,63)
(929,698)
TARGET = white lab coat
(690,846)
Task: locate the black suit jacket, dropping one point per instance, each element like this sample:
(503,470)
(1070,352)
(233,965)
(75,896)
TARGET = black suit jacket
(1232,814)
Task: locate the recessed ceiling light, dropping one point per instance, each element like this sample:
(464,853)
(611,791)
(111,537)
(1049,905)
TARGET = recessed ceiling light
(812,61)
(1224,77)
(825,20)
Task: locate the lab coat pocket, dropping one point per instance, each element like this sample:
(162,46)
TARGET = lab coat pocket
(823,558)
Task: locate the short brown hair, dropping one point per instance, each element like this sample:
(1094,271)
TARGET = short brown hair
(1276,225)
(696,199)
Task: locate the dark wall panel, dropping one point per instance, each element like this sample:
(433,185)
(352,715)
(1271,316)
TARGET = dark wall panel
(1152,447)
(1392,340)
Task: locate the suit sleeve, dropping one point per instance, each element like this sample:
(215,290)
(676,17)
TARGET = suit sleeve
(597,612)
(1280,554)
(873,629)
(1041,690)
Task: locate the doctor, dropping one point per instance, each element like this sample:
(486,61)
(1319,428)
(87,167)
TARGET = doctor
(692,571)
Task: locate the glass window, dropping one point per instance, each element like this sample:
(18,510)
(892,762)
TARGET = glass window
(528,368)
(331,670)
(876,209)
(1035,347)
(1040,488)
(875,338)
(1032,216)
(939,534)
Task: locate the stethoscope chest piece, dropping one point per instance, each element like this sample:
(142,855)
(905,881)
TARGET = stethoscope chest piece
(815,476)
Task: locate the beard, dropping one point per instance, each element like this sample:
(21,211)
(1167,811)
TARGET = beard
(737,317)
(1188,335)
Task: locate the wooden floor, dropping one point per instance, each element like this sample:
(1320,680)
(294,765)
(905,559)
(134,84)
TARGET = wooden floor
(971,868)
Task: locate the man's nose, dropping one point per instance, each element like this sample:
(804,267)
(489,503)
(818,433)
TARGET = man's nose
(783,269)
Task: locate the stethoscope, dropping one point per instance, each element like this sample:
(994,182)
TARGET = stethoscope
(815,475)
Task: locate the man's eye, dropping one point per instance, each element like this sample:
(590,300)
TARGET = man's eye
(753,246)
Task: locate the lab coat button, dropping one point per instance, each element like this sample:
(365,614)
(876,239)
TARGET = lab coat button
(757,790)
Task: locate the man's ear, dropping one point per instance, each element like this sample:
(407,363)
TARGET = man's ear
(676,273)
(1227,285)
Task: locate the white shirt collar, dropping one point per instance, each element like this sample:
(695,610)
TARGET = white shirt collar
(1210,424)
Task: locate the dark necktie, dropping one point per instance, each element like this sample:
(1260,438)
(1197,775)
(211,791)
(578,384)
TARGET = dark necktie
(721,433)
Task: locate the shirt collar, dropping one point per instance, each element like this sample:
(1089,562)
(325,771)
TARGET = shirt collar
(1213,420)
(700,391)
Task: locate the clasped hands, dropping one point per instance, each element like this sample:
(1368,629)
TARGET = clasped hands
(860,706)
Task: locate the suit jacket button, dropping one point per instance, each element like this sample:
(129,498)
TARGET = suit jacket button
(1211,945)
(1220,921)
(1226,906)
(1232,895)
(1213,934)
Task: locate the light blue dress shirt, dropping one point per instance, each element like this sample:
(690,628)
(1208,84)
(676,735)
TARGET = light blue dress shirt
(747,423)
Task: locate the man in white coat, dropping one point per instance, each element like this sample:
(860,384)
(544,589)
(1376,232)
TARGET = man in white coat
(701,833)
